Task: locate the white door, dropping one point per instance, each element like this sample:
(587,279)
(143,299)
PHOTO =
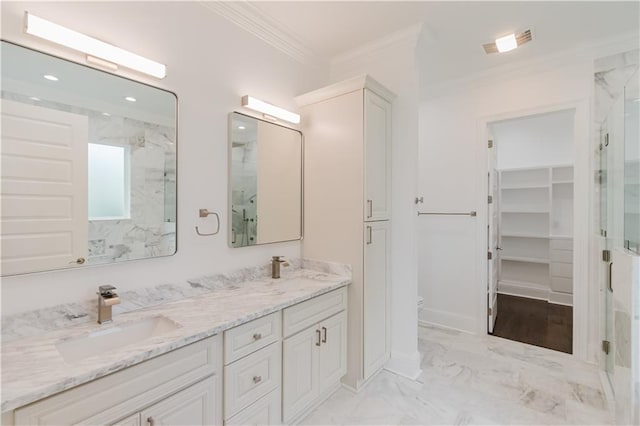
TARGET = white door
(493,240)
(44,188)
(300,372)
(333,351)
(196,405)
(377,146)
(376,297)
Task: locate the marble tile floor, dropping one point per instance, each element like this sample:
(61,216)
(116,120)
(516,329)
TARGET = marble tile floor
(469,379)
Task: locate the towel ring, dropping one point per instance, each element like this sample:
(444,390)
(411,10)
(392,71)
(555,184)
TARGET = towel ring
(205,213)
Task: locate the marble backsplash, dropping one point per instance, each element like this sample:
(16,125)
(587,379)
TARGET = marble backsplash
(32,323)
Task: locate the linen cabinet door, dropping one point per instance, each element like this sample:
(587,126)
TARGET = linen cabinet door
(196,405)
(377,156)
(376,297)
(332,362)
(133,420)
(300,372)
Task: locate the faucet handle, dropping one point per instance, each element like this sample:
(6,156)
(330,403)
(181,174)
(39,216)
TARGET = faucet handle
(107,291)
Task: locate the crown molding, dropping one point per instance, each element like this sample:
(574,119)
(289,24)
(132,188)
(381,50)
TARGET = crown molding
(363,81)
(253,20)
(406,36)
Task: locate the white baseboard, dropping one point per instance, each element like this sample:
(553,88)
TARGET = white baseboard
(448,320)
(407,365)
(534,292)
(561,298)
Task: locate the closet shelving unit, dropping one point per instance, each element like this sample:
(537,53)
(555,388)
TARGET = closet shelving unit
(535,231)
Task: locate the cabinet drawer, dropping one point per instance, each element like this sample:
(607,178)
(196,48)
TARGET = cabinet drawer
(562,285)
(109,398)
(305,314)
(563,270)
(247,338)
(250,378)
(265,411)
(562,244)
(563,256)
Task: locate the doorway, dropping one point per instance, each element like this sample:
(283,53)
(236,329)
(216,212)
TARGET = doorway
(530,229)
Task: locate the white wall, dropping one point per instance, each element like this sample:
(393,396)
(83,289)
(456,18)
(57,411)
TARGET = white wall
(452,178)
(211,64)
(534,141)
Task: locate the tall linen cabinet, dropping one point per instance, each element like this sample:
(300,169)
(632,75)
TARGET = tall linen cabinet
(347,176)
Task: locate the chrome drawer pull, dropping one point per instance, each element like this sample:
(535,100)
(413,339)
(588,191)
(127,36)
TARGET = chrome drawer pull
(324,331)
(257,379)
(257,336)
(150,421)
(318,333)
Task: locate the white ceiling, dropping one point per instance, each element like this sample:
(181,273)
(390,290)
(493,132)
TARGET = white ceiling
(329,29)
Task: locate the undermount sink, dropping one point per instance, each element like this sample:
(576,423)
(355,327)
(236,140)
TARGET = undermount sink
(114,338)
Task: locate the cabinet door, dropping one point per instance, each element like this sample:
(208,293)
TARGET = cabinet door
(377,147)
(133,420)
(332,361)
(376,297)
(300,372)
(196,405)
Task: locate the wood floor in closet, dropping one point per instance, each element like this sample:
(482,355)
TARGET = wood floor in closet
(535,322)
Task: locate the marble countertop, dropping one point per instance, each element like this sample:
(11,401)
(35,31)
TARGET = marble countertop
(32,367)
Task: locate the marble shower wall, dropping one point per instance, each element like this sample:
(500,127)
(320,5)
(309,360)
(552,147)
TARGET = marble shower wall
(150,230)
(611,75)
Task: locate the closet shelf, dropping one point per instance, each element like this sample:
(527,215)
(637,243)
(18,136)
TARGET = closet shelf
(513,187)
(512,211)
(524,235)
(556,182)
(524,259)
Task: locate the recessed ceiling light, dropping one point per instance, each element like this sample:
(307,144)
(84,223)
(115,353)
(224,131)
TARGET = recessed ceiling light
(50,77)
(33,98)
(130,99)
(506,43)
(106,114)
(241,127)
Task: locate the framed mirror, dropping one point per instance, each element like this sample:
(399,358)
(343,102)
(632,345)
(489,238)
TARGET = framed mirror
(265,182)
(88,165)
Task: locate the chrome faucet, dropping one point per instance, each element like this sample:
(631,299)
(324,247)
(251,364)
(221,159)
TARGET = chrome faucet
(275,265)
(107,297)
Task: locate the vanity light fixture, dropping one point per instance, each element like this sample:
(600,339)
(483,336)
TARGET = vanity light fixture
(508,42)
(50,77)
(270,111)
(130,99)
(100,50)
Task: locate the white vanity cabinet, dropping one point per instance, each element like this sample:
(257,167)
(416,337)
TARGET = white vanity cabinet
(314,352)
(181,387)
(376,297)
(377,151)
(347,128)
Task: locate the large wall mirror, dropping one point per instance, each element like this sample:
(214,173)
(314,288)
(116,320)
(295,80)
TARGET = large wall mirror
(265,182)
(88,165)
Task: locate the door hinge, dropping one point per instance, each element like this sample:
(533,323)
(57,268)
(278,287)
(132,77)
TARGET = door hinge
(489,255)
(490,143)
(606,346)
(606,255)
(490,312)
(600,147)
(490,199)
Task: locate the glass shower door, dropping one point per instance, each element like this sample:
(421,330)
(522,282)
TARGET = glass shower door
(606,228)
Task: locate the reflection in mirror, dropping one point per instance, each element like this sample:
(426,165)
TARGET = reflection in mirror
(88,165)
(265,182)
(632,164)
